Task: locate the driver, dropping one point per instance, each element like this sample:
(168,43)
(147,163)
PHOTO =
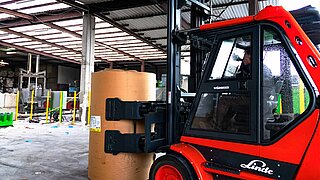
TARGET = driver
(244,72)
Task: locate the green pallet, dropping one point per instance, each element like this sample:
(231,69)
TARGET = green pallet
(6,119)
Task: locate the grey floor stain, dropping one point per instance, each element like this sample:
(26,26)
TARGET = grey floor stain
(40,152)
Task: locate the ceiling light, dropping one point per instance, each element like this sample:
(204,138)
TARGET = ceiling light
(2,63)
(11,49)
(11,52)
(42,30)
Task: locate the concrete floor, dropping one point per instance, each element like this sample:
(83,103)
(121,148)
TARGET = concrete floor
(43,151)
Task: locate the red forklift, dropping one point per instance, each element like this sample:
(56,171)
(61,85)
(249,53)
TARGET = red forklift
(254,113)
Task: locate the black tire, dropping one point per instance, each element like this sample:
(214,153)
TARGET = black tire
(170,160)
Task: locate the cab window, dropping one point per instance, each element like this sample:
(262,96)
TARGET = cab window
(231,55)
(227,110)
(284,94)
(223,112)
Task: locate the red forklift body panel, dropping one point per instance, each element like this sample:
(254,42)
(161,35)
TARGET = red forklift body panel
(194,157)
(290,148)
(197,161)
(310,168)
(227,23)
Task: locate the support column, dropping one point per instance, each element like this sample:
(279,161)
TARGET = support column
(37,71)
(253,7)
(173,72)
(195,54)
(29,70)
(87,64)
(142,68)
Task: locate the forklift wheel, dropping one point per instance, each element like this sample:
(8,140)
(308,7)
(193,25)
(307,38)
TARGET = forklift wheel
(171,167)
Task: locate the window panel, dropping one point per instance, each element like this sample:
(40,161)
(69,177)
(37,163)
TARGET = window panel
(234,59)
(223,112)
(284,95)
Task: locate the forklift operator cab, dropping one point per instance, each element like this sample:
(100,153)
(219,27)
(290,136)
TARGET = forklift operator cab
(262,125)
(253,118)
(228,110)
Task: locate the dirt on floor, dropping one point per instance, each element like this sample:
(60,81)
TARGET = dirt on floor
(43,151)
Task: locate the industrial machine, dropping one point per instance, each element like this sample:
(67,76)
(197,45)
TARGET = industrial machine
(32,84)
(255,113)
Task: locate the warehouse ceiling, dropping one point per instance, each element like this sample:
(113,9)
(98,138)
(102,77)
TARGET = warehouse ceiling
(127,32)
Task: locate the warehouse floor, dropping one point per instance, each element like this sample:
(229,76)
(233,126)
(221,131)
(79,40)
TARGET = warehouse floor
(43,151)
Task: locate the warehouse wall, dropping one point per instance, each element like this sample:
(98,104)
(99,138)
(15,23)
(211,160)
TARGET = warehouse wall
(67,75)
(52,76)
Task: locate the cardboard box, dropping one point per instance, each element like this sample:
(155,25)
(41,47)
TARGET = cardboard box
(9,100)
(1,100)
(128,86)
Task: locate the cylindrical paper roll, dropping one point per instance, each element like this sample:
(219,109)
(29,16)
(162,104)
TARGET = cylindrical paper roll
(128,86)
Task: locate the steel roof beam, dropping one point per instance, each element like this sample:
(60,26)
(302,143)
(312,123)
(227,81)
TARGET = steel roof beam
(131,45)
(31,18)
(38,5)
(118,5)
(157,38)
(119,51)
(44,42)
(117,36)
(120,41)
(141,16)
(77,25)
(150,29)
(118,31)
(39,40)
(16,13)
(62,29)
(28,41)
(37,52)
(127,4)
(97,42)
(114,23)
(54,38)
(16,22)
(99,28)
(9,2)
(26,16)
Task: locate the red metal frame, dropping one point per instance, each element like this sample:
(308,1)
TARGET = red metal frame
(194,157)
(227,23)
(310,167)
(168,172)
(298,139)
(293,147)
(242,175)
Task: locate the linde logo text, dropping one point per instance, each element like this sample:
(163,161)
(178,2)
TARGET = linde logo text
(258,165)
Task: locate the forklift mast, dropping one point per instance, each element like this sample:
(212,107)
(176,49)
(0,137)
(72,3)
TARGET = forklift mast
(255,113)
